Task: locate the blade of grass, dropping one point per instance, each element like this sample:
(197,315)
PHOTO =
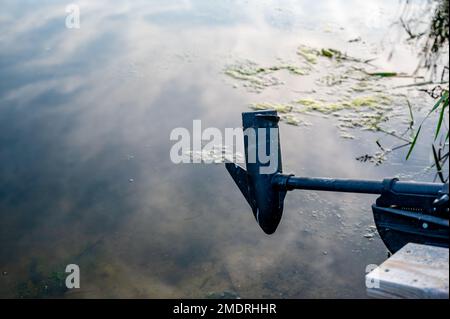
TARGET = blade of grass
(438,102)
(438,165)
(413,143)
(439,124)
(411,115)
(383,74)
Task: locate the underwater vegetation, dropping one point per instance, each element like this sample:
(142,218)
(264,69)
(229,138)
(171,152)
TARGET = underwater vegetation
(42,284)
(256,78)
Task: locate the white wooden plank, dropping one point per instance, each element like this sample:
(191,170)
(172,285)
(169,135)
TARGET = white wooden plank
(415,271)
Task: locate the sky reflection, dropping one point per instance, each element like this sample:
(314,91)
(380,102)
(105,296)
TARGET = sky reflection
(83,112)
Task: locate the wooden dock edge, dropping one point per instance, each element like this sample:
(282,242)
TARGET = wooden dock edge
(415,271)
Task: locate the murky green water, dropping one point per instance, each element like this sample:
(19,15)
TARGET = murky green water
(85,173)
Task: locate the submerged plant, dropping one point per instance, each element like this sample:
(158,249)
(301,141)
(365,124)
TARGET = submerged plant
(287,113)
(307,53)
(256,77)
(41,284)
(280,108)
(351,88)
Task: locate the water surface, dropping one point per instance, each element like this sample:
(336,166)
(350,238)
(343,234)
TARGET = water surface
(85,173)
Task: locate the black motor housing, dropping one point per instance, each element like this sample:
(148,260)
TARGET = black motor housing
(402,218)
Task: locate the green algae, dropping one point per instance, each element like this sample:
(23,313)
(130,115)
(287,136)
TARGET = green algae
(308,102)
(348,89)
(292,120)
(280,108)
(383,74)
(287,112)
(42,284)
(371,102)
(307,53)
(310,55)
(327,53)
(368,121)
(364,112)
(333,53)
(291,68)
(258,77)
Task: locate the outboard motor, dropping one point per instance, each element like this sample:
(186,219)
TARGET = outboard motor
(405,212)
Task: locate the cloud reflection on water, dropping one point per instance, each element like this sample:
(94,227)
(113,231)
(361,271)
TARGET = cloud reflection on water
(74,104)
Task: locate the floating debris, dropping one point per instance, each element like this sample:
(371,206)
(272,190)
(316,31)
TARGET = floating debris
(370,232)
(378,158)
(357,39)
(347,136)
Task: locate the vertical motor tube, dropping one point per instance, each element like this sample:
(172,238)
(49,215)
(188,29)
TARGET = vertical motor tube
(263,162)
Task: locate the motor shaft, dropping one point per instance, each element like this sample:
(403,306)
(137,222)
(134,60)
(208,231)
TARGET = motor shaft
(289,182)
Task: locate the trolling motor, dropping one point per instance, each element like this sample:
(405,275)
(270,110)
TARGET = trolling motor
(405,212)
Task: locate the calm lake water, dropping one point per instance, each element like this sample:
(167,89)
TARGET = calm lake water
(85,173)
